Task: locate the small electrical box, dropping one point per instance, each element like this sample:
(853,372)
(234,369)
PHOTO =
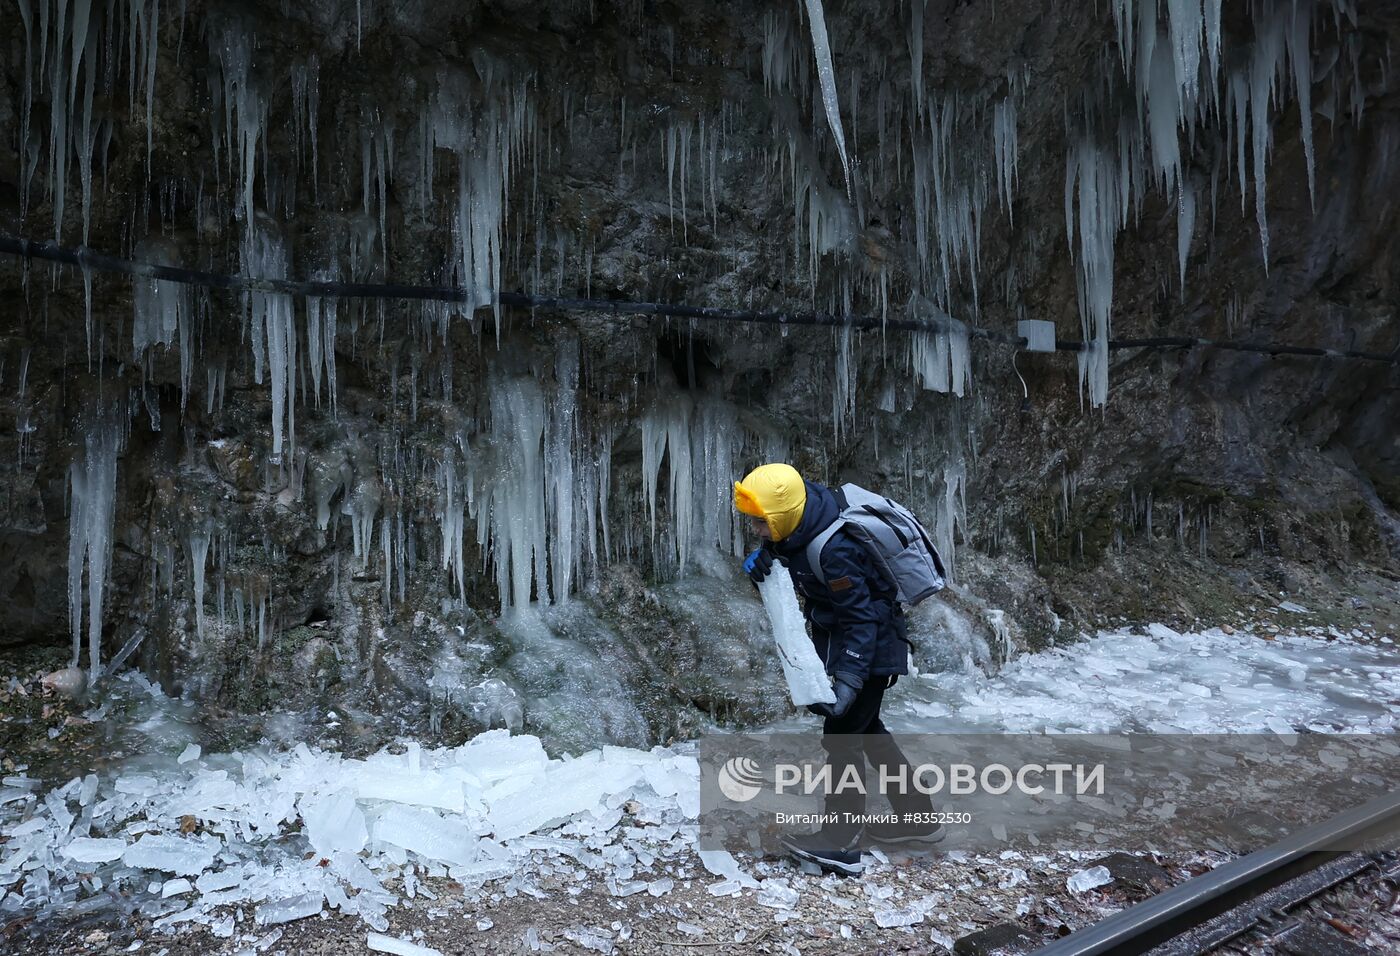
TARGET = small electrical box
(1038,333)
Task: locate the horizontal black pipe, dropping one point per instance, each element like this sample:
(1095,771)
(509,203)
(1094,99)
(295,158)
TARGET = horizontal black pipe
(89,260)
(86,259)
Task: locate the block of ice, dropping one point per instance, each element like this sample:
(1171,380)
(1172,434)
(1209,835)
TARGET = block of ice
(722,863)
(427,834)
(806,677)
(889,917)
(569,787)
(191,752)
(596,940)
(169,853)
(496,755)
(379,943)
(137,784)
(777,894)
(222,880)
(175,887)
(1085,880)
(334,823)
(293,908)
(90,850)
(416,789)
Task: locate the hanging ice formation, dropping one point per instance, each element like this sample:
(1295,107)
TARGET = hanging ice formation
(1181,85)
(700,442)
(942,360)
(163,312)
(272,330)
(65,57)
(320,343)
(541,487)
(487,131)
(826,74)
(92,483)
(240,104)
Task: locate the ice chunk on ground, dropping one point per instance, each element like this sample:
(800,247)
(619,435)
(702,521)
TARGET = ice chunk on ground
(222,880)
(400,947)
(418,789)
(191,752)
(496,755)
(599,941)
(175,887)
(90,850)
(564,789)
(334,823)
(294,908)
(806,676)
(1085,880)
(172,854)
(777,894)
(722,863)
(427,834)
(890,917)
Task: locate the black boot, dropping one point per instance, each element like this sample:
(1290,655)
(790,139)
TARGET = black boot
(837,853)
(900,832)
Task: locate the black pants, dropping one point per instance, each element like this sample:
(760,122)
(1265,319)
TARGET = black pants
(854,738)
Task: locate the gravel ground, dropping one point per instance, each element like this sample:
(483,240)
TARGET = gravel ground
(948,895)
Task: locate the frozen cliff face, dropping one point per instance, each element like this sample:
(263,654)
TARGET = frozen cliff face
(262,493)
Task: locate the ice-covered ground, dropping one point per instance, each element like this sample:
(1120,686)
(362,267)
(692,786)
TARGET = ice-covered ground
(1168,683)
(283,834)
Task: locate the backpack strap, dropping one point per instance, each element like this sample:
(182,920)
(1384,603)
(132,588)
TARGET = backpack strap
(814,548)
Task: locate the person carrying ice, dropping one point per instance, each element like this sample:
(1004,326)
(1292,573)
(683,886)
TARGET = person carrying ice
(854,557)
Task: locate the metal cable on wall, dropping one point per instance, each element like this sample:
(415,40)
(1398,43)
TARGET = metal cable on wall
(91,261)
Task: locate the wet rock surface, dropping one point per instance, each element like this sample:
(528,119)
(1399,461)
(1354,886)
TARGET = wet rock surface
(660,165)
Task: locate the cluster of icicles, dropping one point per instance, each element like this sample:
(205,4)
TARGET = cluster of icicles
(1165,94)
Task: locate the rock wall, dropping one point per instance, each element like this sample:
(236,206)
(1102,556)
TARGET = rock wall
(332,501)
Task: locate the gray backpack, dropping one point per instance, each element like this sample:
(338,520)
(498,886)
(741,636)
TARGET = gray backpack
(896,541)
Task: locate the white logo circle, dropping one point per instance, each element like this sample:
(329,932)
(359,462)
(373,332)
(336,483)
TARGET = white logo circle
(740,779)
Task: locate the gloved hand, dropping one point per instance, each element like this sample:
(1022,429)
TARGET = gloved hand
(758,564)
(846,692)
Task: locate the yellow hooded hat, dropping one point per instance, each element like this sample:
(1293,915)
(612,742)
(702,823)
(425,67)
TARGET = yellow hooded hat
(775,493)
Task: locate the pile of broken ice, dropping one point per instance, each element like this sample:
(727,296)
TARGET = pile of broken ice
(288,834)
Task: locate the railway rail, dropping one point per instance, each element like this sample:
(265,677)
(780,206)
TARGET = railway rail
(1255,894)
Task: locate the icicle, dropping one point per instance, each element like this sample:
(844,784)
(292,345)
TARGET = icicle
(199,555)
(163,311)
(273,327)
(386,543)
(1004,147)
(916,53)
(942,360)
(1268,50)
(560,477)
(1185,225)
(513,521)
(1186,23)
(92,482)
(1300,56)
(826,73)
(1099,203)
(451,521)
(1164,109)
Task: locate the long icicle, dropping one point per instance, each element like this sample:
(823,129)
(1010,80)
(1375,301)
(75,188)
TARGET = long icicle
(821,46)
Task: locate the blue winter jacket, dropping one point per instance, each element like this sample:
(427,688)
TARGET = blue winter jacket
(857,625)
